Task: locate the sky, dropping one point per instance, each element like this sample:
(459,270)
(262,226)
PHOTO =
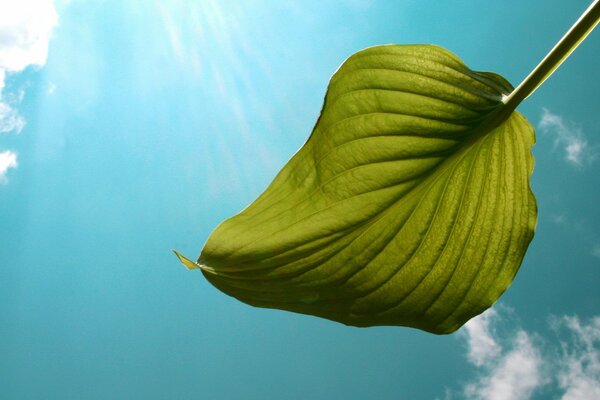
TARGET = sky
(131,128)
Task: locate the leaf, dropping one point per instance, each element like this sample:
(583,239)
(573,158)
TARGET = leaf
(408,205)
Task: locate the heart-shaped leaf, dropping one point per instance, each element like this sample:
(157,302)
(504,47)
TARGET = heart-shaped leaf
(408,205)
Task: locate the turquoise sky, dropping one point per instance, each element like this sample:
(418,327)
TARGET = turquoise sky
(151,122)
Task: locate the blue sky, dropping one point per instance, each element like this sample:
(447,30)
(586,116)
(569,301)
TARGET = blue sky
(131,128)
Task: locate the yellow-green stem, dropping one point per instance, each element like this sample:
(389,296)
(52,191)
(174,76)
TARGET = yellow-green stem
(569,42)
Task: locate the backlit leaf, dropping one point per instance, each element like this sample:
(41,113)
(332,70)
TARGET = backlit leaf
(408,205)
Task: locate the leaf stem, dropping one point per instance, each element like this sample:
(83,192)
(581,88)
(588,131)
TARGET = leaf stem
(569,42)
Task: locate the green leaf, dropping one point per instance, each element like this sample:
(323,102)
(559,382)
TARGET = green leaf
(409,204)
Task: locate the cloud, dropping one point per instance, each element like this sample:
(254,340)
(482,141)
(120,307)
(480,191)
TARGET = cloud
(511,374)
(8,160)
(579,376)
(25,29)
(482,345)
(10,120)
(577,150)
(514,376)
(519,364)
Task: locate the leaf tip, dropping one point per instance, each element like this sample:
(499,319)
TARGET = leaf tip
(189,264)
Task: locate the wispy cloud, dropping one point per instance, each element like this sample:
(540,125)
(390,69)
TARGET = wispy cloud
(8,160)
(577,150)
(510,374)
(513,376)
(519,364)
(481,343)
(25,28)
(579,375)
(10,120)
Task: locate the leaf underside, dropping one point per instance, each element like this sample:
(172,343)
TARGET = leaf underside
(406,206)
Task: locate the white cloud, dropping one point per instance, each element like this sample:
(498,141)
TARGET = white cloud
(8,160)
(10,120)
(579,375)
(25,28)
(512,375)
(482,345)
(517,365)
(596,250)
(568,136)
